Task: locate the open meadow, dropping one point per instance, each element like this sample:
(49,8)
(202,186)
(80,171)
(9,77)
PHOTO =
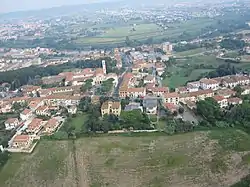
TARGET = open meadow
(216,158)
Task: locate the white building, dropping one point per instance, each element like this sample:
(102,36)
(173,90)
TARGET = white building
(11,123)
(206,84)
(26,114)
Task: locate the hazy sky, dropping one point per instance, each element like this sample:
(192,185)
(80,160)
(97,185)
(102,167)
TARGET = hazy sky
(15,5)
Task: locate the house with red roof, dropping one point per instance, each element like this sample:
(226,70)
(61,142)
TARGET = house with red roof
(35,126)
(173,98)
(160,91)
(26,114)
(51,125)
(234,101)
(222,101)
(21,141)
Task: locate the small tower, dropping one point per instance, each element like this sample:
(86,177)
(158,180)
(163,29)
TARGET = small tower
(104,67)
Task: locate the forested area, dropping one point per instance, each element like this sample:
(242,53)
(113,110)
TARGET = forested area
(236,116)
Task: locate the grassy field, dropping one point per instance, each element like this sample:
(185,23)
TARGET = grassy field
(193,159)
(190,52)
(177,76)
(118,33)
(78,121)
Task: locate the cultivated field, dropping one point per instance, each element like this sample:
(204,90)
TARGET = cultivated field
(115,34)
(218,158)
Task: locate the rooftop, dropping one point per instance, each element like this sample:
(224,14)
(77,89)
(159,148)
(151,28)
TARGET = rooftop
(21,138)
(11,120)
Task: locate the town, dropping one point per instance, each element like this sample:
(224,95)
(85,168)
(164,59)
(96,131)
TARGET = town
(137,86)
(126,94)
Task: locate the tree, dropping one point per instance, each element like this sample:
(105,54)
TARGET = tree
(238,90)
(87,86)
(135,119)
(210,110)
(124,102)
(84,104)
(181,110)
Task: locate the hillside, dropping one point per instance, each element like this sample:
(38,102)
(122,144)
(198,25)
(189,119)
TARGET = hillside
(193,159)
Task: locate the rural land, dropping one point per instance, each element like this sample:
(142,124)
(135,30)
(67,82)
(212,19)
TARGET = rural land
(126,94)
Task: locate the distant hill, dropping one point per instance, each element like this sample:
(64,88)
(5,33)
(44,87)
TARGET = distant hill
(73,9)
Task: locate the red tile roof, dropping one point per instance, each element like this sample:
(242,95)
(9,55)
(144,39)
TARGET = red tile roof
(200,92)
(26,111)
(171,95)
(170,106)
(234,100)
(21,138)
(218,98)
(11,120)
(35,123)
(160,89)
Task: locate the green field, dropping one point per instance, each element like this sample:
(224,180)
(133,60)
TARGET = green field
(190,52)
(177,73)
(78,121)
(117,33)
(192,159)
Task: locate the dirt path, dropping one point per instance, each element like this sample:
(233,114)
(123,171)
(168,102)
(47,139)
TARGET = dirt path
(75,165)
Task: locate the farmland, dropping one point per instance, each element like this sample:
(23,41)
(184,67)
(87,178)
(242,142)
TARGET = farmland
(193,159)
(114,34)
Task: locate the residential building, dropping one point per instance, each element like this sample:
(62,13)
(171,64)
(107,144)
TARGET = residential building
(11,123)
(195,84)
(133,106)
(136,92)
(33,105)
(221,101)
(229,83)
(43,111)
(150,105)
(149,79)
(72,109)
(206,84)
(30,89)
(246,90)
(111,107)
(159,91)
(234,101)
(171,107)
(172,98)
(26,114)
(35,126)
(182,90)
(51,125)
(226,93)
(21,141)
(234,80)
(201,95)
(167,47)
(95,99)
(191,105)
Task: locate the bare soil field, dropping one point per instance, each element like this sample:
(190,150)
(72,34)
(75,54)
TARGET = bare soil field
(199,159)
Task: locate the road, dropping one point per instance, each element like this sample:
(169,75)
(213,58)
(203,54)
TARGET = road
(127,63)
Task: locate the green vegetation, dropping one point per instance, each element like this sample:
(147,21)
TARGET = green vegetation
(87,86)
(245,182)
(151,160)
(232,44)
(190,52)
(106,87)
